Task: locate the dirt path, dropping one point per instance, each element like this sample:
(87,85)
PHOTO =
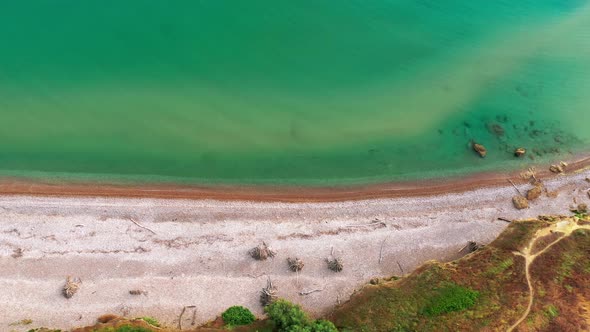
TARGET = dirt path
(564,228)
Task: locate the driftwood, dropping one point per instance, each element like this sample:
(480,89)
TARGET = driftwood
(400,267)
(138,292)
(268,295)
(515,187)
(381,251)
(262,252)
(71,287)
(373,223)
(139,225)
(295,264)
(504,219)
(472,246)
(17,253)
(182,313)
(303,293)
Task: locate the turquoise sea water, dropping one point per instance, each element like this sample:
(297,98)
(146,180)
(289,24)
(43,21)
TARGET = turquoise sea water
(304,92)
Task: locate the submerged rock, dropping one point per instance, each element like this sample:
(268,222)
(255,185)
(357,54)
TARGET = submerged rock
(520,202)
(520,152)
(496,129)
(480,149)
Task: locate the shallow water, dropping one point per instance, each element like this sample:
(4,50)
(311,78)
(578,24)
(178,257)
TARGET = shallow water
(305,92)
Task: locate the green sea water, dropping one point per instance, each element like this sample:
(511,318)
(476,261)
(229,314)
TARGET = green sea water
(289,92)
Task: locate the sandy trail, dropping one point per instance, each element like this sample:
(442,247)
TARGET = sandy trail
(564,228)
(199,252)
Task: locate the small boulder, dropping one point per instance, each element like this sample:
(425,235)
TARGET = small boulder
(520,202)
(480,149)
(534,193)
(519,152)
(556,169)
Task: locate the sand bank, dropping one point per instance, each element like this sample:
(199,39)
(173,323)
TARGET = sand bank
(198,256)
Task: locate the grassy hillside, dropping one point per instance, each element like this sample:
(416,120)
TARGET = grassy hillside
(486,290)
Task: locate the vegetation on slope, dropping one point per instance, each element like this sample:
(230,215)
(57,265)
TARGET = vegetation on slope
(487,290)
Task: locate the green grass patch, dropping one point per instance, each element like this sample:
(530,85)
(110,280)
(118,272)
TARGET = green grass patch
(501,267)
(449,298)
(567,264)
(551,311)
(151,320)
(289,317)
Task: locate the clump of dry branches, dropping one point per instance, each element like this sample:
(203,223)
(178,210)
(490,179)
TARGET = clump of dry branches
(295,264)
(71,287)
(262,252)
(268,295)
(335,264)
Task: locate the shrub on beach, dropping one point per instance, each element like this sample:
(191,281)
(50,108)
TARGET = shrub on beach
(238,315)
(289,317)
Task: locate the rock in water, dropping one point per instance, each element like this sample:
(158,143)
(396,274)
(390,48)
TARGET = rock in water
(496,129)
(534,193)
(520,202)
(519,152)
(480,149)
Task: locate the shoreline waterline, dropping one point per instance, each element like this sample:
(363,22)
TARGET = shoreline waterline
(279,193)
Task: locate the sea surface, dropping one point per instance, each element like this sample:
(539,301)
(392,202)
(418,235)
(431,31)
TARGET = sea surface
(308,92)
